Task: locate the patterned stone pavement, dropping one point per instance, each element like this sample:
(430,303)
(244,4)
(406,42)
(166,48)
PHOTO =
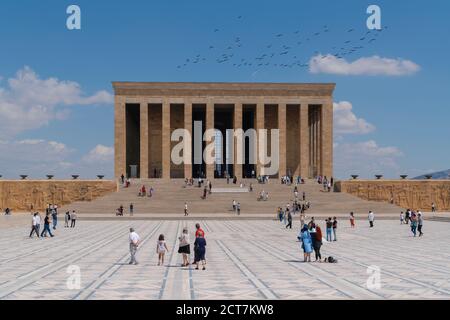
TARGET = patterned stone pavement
(246,260)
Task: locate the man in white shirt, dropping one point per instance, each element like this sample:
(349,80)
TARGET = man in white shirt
(134,243)
(34,224)
(371,218)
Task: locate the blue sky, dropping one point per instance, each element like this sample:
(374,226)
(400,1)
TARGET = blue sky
(395,123)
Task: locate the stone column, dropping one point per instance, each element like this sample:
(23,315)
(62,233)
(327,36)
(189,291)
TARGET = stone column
(166,139)
(120,136)
(326,141)
(259,125)
(238,125)
(210,125)
(316,140)
(282,142)
(188,127)
(144,144)
(304,140)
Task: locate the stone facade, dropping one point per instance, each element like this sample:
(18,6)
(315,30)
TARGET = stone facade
(302,112)
(413,194)
(26,195)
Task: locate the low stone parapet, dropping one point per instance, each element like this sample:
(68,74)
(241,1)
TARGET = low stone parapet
(27,195)
(413,194)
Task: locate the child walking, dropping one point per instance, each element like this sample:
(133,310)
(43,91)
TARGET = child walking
(352,220)
(161,249)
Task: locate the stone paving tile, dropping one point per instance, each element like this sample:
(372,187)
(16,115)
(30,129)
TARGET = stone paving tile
(257,259)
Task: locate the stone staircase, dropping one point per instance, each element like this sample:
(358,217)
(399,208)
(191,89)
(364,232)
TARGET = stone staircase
(169,198)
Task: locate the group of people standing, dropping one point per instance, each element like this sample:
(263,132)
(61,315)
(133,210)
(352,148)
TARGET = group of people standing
(310,237)
(143,191)
(415,219)
(184,247)
(50,221)
(327,184)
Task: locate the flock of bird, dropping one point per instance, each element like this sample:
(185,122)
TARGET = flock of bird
(284,49)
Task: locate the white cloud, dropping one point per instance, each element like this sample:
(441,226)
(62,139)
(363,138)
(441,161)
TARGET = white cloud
(366,159)
(37,158)
(372,66)
(346,122)
(29,102)
(100,154)
(32,157)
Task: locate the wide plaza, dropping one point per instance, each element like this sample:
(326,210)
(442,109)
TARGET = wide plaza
(246,259)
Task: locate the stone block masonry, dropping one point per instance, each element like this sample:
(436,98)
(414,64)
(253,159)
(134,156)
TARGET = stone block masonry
(412,194)
(28,195)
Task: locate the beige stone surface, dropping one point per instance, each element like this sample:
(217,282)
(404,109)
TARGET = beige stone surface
(304,140)
(210,125)
(24,195)
(326,141)
(259,125)
(144,145)
(413,194)
(282,139)
(237,124)
(119,137)
(166,140)
(188,127)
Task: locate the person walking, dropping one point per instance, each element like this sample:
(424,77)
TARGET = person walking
(329,225)
(186,209)
(200,251)
(73,219)
(38,221)
(371,218)
(66,219)
(318,243)
(433,207)
(134,243)
(420,223)
(302,218)
(407,215)
(238,208)
(289,219)
(402,217)
(161,249)
(305,238)
(352,220)
(413,223)
(34,225)
(185,247)
(54,216)
(47,221)
(131,209)
(334,228)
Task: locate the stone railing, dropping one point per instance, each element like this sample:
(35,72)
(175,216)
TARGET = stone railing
(413,194)
(26,195)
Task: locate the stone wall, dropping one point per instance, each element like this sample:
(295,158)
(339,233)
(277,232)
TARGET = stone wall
(25,195)
(413,194)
